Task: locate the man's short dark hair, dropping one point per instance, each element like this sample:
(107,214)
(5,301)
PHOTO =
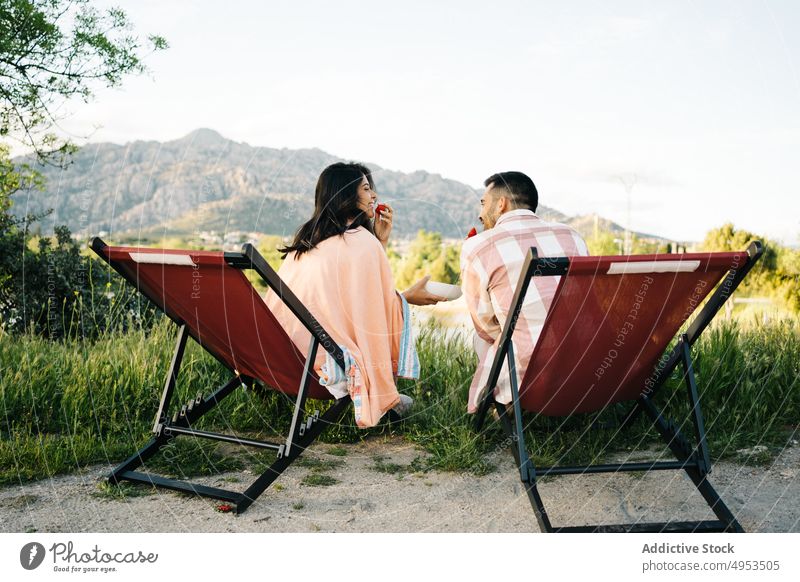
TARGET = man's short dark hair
(519,187)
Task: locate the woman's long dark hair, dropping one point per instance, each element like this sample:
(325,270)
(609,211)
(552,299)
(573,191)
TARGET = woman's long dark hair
(335,202)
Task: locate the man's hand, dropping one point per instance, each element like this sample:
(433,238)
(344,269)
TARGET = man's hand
(418,295)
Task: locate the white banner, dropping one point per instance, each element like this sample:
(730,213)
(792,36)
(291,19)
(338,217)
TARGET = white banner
(402,557)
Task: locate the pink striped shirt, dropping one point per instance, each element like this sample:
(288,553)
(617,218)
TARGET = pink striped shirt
(491,263)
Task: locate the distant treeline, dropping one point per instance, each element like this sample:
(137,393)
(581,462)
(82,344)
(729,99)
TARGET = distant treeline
(50,287)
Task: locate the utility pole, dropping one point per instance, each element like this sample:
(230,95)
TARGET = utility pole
(629,181)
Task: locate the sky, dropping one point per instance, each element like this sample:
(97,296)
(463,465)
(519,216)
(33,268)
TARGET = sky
(686,112)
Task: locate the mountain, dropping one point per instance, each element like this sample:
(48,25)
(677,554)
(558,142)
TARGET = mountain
(205,182)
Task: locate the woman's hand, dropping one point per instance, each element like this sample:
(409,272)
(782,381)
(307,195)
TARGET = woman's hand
(383,224)
(418,295)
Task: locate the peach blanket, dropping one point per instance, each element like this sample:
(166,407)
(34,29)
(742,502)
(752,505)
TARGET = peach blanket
(347,285)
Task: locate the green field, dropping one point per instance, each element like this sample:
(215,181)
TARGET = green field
(68,404)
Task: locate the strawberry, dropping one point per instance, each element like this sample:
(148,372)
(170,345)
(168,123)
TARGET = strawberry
(380,208)
(472,232)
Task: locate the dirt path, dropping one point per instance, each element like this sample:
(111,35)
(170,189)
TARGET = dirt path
(394,499)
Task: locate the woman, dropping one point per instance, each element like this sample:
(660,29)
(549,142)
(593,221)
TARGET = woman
(337,267)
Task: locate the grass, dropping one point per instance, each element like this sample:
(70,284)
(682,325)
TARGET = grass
(319,480)
(318,465)
(758,456)
(381,466)
(191,457)
(439,421)
(123,490)
(317,476)
(66,405)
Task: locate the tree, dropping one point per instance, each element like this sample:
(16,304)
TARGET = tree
(427,255)
(55,50)
(604,243)
(52,51)
(777,274)
(727,238)
(11,181)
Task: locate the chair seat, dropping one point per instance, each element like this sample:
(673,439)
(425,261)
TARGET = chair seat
(222,311)
(611,320)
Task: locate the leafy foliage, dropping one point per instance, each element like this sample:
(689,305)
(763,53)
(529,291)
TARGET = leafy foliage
(47,286)
(56,291)
(54,50)
(427,255)
(777,274)
(605,242)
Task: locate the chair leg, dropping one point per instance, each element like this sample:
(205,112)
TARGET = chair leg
(172,377)
(296,429)
(162,436)
(714,501)
(241,500)
(301,434)
(701,451)
(529,483)
(137,459)
(726,521)
(694,469)
(329,417)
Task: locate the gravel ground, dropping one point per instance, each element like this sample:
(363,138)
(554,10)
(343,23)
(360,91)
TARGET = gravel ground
(364,499)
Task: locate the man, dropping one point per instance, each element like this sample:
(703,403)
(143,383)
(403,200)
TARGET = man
(491,263)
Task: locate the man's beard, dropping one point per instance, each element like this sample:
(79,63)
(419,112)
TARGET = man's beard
(491,218)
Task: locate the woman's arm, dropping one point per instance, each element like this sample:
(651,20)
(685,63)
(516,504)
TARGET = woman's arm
(418,295)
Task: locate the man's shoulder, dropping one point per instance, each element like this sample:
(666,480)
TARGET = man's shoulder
(560,227)
(559,239)
(522,231)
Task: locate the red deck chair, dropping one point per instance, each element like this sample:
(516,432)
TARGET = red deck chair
(606,340)
(207,295)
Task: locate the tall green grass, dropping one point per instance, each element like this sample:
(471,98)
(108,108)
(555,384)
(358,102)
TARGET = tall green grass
(749,380)
(439,421)
(748,377)
(68,404)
